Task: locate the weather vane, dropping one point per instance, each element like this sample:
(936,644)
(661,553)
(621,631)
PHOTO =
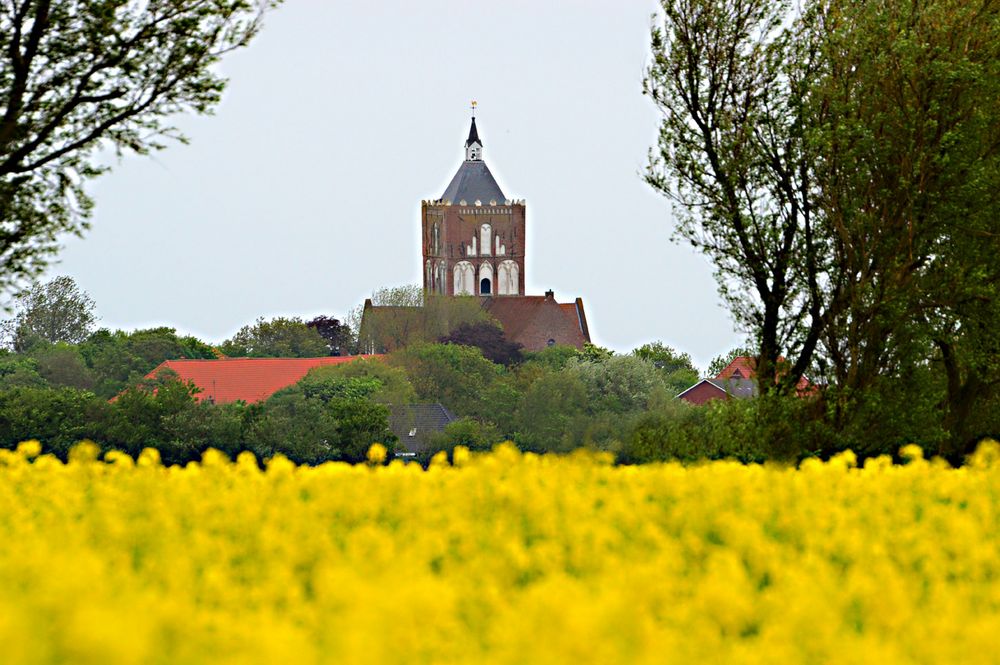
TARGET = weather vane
(474,104)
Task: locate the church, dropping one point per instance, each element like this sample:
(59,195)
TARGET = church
(474,244)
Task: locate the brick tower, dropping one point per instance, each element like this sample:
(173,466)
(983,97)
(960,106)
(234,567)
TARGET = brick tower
(473,235)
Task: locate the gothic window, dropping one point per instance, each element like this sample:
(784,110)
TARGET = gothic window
(486,279)
(436,240)
(428,277)
(484,238)
(442,276)
(465,278)
(508,280)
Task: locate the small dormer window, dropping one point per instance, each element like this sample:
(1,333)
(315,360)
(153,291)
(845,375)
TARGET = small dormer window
(413,432)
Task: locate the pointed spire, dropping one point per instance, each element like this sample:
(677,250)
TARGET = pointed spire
(473,145)
(473,134)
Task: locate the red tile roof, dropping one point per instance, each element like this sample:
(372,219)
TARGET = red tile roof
(745,367)
(533,320)
(245,379)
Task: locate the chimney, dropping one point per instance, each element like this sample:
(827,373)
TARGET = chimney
(550,295)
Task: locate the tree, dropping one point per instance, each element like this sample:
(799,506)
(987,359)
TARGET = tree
(277,338)
(909,181)
(488,337)
(337,335)
(119,358)
(56,311)
(81,76)
(404,315)
(459,377)
(664,357)
(363,377)
(733,154)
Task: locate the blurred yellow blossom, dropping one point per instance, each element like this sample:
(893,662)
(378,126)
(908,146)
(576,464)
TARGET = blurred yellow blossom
(502,557)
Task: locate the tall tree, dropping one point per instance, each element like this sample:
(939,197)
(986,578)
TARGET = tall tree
(910,180)
(79,76)
(56,311)
(733,153)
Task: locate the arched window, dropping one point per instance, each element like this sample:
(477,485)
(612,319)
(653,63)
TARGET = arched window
(508,282)
(442,277)
(429,277)
(436,240)
(484,238)
(485,279)
(465,279)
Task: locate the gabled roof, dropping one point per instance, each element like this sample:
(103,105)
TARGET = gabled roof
(745,367)
(245,379)
(708,389)
(415,424)
(738,388)
(534,320)
(473,182)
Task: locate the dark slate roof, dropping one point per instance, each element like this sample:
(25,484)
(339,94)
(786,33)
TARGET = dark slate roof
(532,321)
(738,388)
(473,135)
(423,420)
(473,182)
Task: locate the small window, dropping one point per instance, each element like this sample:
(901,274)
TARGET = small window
(413,432)
(484,287)
(551,342)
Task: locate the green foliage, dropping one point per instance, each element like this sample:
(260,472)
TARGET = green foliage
(459,377)
(53,312)
(549,407)
(552,357)
(120,358)
(58,418)
(405,315)
(278,338)
(79,77)
(618,383)
(62,365)
(664,357)
(488,337)
(19,371)
(390,385)
(468,432)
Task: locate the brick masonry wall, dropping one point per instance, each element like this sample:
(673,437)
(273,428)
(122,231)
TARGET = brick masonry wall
(458,225)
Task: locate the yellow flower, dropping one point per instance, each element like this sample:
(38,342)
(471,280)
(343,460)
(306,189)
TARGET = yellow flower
(377,453)
(29,449)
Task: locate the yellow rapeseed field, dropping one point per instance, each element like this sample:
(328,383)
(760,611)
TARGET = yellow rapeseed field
(502,558)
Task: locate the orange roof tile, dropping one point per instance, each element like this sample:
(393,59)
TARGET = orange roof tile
(533,320)
(245,379)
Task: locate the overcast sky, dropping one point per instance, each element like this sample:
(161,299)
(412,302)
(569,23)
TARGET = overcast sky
(302,193)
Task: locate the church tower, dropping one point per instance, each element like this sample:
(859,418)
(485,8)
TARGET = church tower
(473,235)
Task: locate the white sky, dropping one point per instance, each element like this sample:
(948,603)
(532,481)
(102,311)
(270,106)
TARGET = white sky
(302,194)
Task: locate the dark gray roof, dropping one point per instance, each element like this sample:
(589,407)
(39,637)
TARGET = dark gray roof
(423,420)
(473,135)
(473,182)
(738,388)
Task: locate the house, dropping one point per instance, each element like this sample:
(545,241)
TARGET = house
(415,424)
(736,381)
(244,379)
(708,389)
